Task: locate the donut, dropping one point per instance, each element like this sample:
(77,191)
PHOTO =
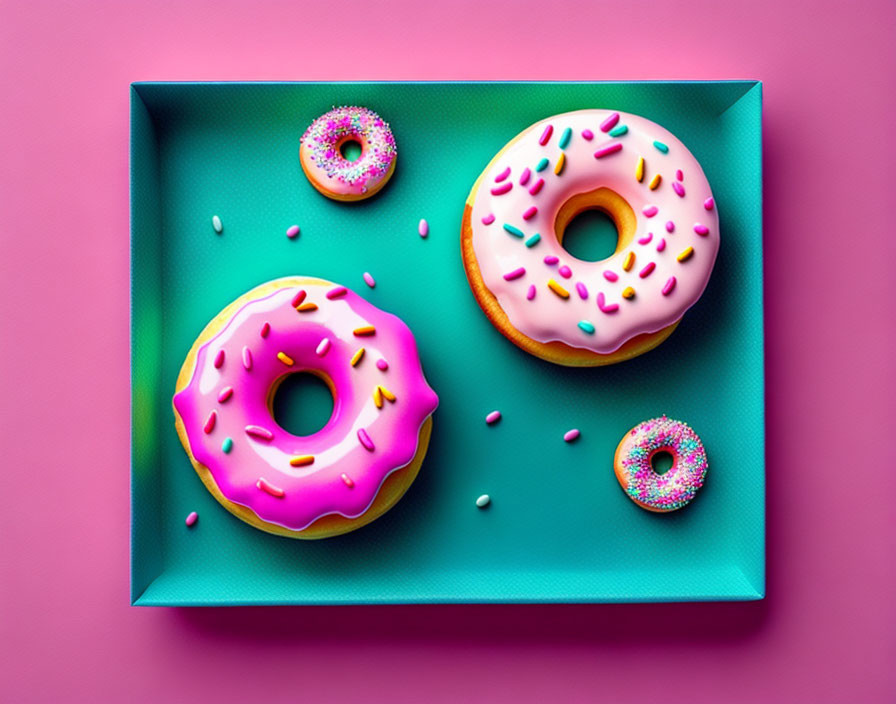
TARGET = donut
(334,175)
(574,312)
(671,490)
(343,476)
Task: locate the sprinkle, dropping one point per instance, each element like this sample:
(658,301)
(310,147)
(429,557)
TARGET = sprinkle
(685,254)
(503,175)
(679,175)
(348,481)
(274,491)
(609,123)
(564,271)
(708,204)
(587,134)
(307,307)
(639,169)
(515,274)
(701,229)
(247,358)
(265,330)
(337,292)
(564,138)
(210,422)
(607,150)
(423,228)
(524,177)
(493,417)
(550,260)
(628,293)
(629,261)
(662,147)
(618,131)
(516,232)
(669,285)
(219,359)
(382,365)
(558,289)
(225,394)
(678,188)
(530,213)
(192,517)
(530,294)
(546,135)
(611,276)
(285,358)
(602,304)
(488,219)
(378,397)
(364,331)
(646,271)
(661,246)
(670,226)
(389,396)
(216,223)
(571,435)
(502,189)
(483,501)
(365,440)
(298,298)
(369,280)
(655,182)
(542,165)
(356,357)
(301,460)
(586,326)
(582,290)
(536,187)
(533,240)
(256,431)
(292,231)
(323,347)
(227,446)
(646,239)
(558,168)
(650,211)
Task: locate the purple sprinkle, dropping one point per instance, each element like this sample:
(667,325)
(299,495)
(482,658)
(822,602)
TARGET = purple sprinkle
(536,187)
(550,260)
(423,228)
(493,417)
(650,211)
(661,246)
(546,135)
(365,440)
(670,226)
(646,239)
(192,517)
(336,292)
(503,175)
(515,274)
(564,271)
(602,304)
(293,231)
(670,284)
(609,123)
(587,134)
(488,219)
(678,188)
(571,435)
(524,177)
(382,365)
(679,175)
(610,276)
(530,213)
(369,280)
(701,229)
(608,149)
(530,294)
(582,290)
(708,203)
(502,189)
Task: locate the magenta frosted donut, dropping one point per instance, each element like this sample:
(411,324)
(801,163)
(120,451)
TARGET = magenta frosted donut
(341,476)
(329,171)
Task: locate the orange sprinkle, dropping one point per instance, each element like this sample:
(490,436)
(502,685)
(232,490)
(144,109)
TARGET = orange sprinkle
(307,307)
(639,171)
(357,356)
(655,182)
(378,397)
(386,393)
(629,261)
(685,254)
(558,289)
(366,330)
(561,162)
(302,460)
(629,292)
(285,358)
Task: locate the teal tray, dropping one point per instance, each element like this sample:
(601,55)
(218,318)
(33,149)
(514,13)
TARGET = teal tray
(559,528)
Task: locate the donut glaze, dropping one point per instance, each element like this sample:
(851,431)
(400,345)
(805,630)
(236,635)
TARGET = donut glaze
(334,175)
(666,492)
(658,196)
(382,404)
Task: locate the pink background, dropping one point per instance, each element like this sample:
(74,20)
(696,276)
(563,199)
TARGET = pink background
(826,630)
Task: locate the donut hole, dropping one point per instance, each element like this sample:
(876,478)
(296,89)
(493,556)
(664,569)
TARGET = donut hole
(662,461)
(302,403)
(591,236)
(350,149)
(593,226)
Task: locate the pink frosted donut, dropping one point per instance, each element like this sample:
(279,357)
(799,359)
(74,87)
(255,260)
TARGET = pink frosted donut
(353,469)
(571,311)
(330,172)
(666,492)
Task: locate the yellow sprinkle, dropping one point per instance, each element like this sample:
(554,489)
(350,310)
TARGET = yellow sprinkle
(307,307)
(628,293)
(639,171)
(558,289)
(302,460)
(560,163)
(357,356)
(285,358)
(390,397)
(366,330)
(629,261)
(685,254)
(655,181)
(378,397)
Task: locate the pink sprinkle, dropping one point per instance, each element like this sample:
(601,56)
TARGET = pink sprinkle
(701,229)
(225,394)
(348,481)
(708,203)
(550,260)
(530,213)
(488,219)
(382,365)
(679,175)
(564,271)
(247,358)
(609,123)
(502,189)
(336,292)
(210,422)
(501,176)
(610,276)
(515,274)
(365,440)
(602,304)
(645,272)
(524,177)
(493,417)
(192,517)
(536,187)
(274,491)
(582,290)
(292,231)
(650,211)
(546,135)
(298,298)
(256,431)
(646,239)
(678,188)
(608,149)
(588,134)
(423,228)
(323,347)
(670,284)
(530,294)
(265,329)
(219,359)
(369,280)
(571,435)
(661,246)
(670,226)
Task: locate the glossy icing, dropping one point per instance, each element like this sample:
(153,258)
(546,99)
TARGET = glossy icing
(378,409)
(644,287)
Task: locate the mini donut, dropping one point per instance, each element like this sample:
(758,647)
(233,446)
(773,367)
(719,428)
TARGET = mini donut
(343,476)
(334,175)
(666,492)
(566,310)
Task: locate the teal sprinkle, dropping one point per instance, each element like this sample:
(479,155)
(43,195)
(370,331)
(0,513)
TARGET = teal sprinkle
(542,165)
(533,240)
(662,147)
(513,231)
(619,131)
(227,445)
(564,140)
(586,326)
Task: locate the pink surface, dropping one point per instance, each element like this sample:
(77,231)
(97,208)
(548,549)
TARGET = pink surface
(826,630)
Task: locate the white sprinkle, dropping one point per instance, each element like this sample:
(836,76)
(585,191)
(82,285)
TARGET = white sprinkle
(323,347)
(216,223)
(571,435)
(423,228)
(191,519)
(493,417)
(483,501)
(293,231)
(369,280)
